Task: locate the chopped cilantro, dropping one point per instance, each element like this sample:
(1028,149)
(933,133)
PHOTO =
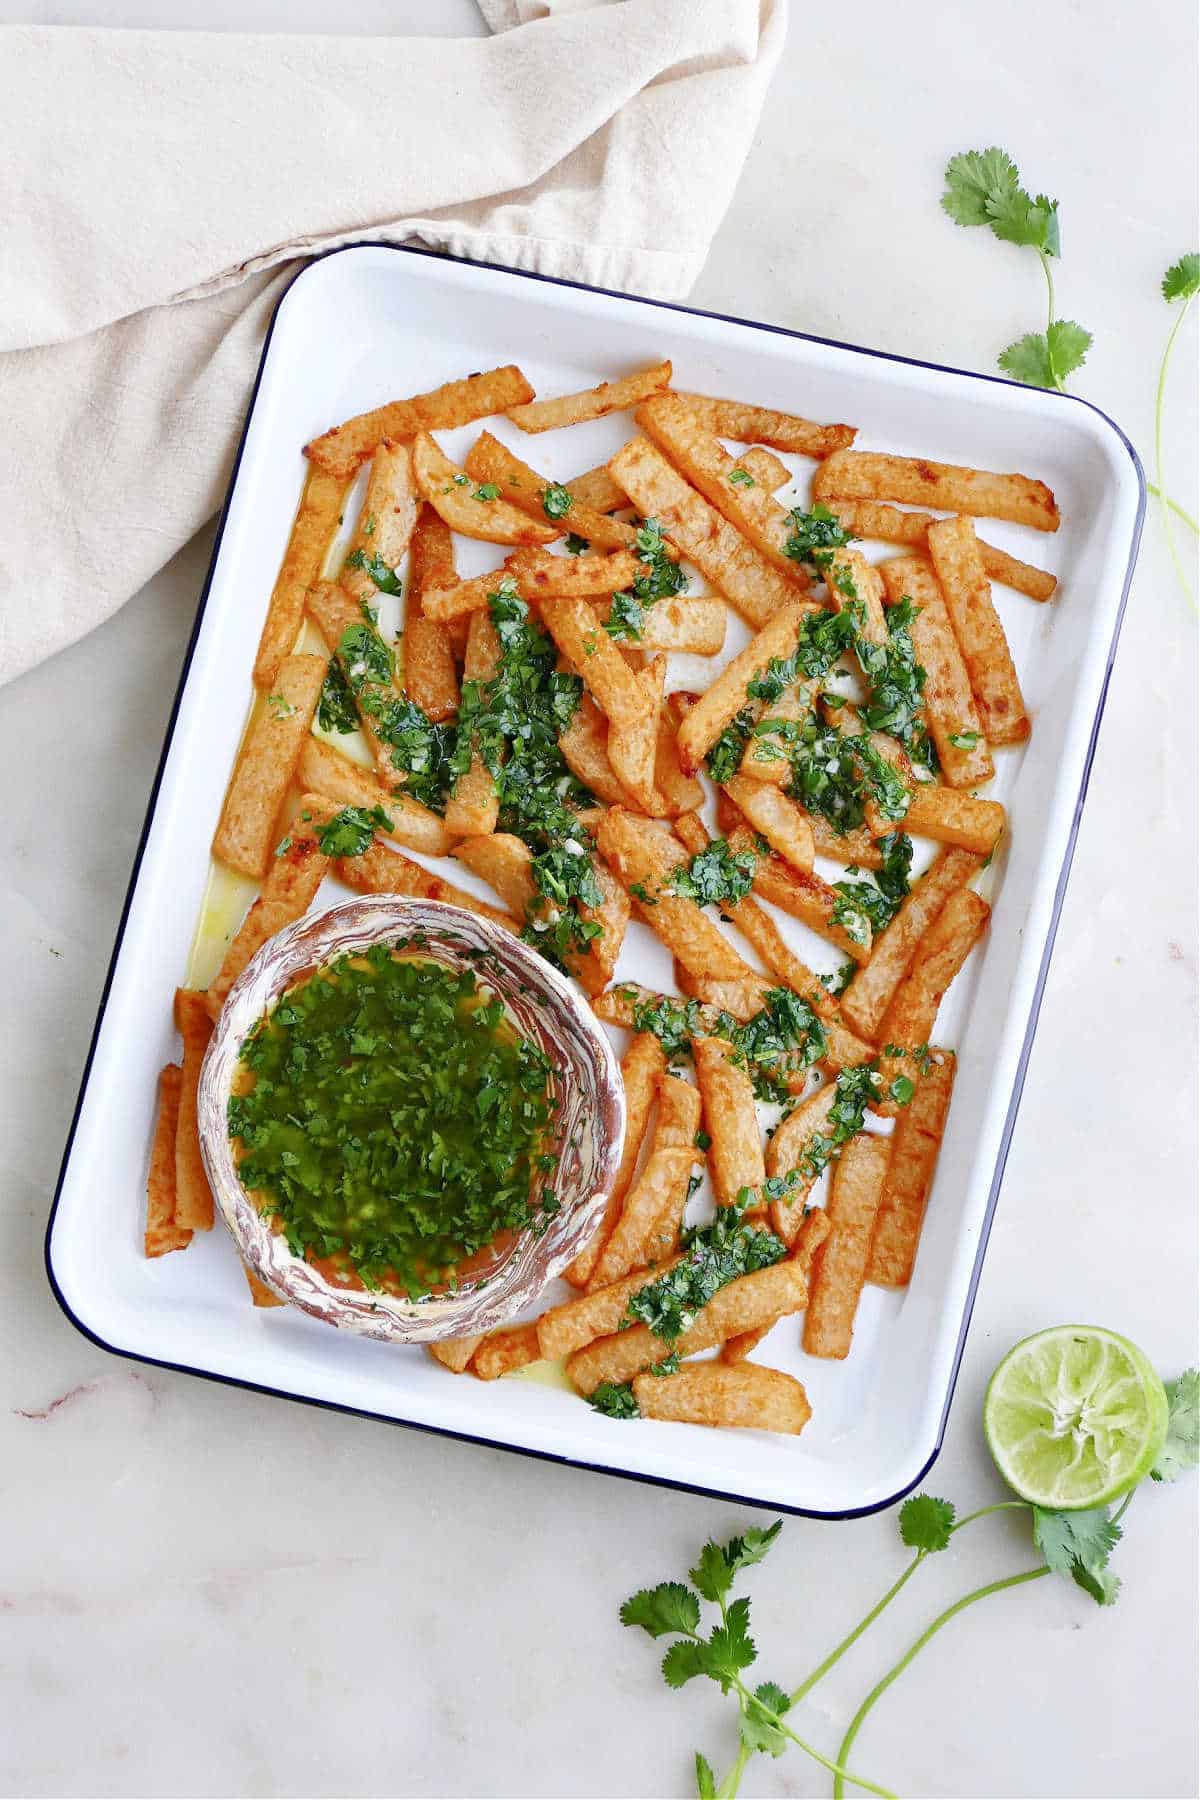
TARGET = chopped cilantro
(814,536)
(878,900)
(556,501)
(615,1400)
(351,831)
(487,490)
(575,545)
(714,1255)
(336,710)
(739,477)
(385,579)
(715,875)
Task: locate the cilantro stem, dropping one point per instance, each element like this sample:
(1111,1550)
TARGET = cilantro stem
(1159,396)
(931,1630)
(729,1787)
(1180,511)
(822,1669)
(837,1769)
(1048,272)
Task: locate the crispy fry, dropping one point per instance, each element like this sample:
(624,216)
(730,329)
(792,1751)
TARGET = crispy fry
(455,1353)
(784,824)
(315,523)
(193,1196)
(245,834)
(287,893)
(840,1271)
(574,409)
(679,793)
(856,846)
(332,776)
(875,519)
(812,1234)
(541,576)
(708,465)
(598,489)
(648,1227)
(731,1120)
(762,425)
(910,1018)
(641,854)
(849,570)
(742,1305)
(593,969)
(340,451)
(739,999)
(474,806)
(503,862)
(567,1328)
(948,817)
(385,521)
(383,871)
(162,1233)
(584,745)
(950,707)
(430,675)
(954,550)
(503,1351)
(613,685)
(725,698)
(460,600)
(916,1142)
(641,1066)
(692,623)
(260,1293)
(863,475)
(866,999)
(335,612)
(458,499)
(765,757)
(633,749)
(712,1393)
(749,581)
(786,1152)
(490,460)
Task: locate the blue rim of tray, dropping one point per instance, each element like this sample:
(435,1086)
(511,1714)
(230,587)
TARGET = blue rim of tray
(1014,1102)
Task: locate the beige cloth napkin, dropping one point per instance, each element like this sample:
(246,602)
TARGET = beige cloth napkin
(157,188)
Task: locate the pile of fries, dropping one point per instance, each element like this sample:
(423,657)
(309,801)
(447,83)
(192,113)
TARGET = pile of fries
(640,743)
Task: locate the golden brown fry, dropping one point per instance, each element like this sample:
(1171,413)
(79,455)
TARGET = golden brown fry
(650,1220)
(633,749)
(332,776)
(430,675)
(474,805)
(193,1196)
(749,581)
(455,1353)
(841,1268)
(789,1152)
(948,817)
(785,825)
(593,968)
(385,522)
(541,576)
(866,999)
(503,1351)
(741,1305)
(596,489)
(863,475)
(731,1119)
(503,862)
(465,509)
(574,409)
(162,1233)
(678,792)
(887,524)
(812,1234)
(641,1067)
(458,600)
(692,623)
(916,1142)
(641,854)
(740,999)
(762,425)
(584,745)
(952,716)
(380,870)
(856,846)
(725,698)
(316,521)
(613,685)
(910,1018)
(712,1393)
(245,834)
(954,550)
(765,757)
(491,461)
(340,451)
(849,569)
(567,1328)
(292,881)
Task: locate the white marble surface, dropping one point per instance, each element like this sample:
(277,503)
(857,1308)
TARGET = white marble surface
(207,1592)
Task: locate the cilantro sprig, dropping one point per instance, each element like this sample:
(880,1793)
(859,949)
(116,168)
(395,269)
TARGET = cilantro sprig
(1181,283)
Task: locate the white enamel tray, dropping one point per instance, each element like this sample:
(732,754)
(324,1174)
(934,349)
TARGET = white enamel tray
(362,326)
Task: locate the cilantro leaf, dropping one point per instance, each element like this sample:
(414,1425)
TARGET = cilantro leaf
(1182,279)
(385,579)
(684,1661)
(706,1781)
(716,874)
(973,179)
(575,545)
(714,1255)
(1079,1544)
(668,1607)
(926,1523)
(556,501)
(1181,1451)
(712,1577)
(1101,1584)
(759,1723)
(351,832)
(751,1547)
(1028,360)
(336,710)
(730,1647)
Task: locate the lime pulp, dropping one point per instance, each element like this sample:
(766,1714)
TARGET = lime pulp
(1075,1416)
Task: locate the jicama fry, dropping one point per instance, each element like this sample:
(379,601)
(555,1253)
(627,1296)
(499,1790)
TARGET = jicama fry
(765,757)
(916,1142)
(332,776)
(853,581)
(584,745)
(784,824)
(864,475)
(613,685)
(594,403)
(352,638)
(840,1271)
(593,967)
(692,623)
(460,600)
(316,521)
(789,1151)
(643,856)
(641,1067)
(474,805)
(742,1305)
(910,1018)
(954,551)
(810,1237)
(503,1351)
(380,870)
(430,677)
(541,576)
(731,1120)
(340,451)
(162,1233)
(711,1393)
(865,1001)
(739,999)
(633,749)
(726,697)
(948,817)
(953,718)
(488,460)
(193,1196)
(567,1328)
(889,525)
(504,863)
(455,1353)
(855,846)
(647,1229)
(385,523)
(598,489)
(804,896)
(297,870)
(763,425)
(679,793)
(465,506)
(244,838)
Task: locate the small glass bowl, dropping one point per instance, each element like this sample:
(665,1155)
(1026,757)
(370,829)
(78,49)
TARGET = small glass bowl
(590,1118)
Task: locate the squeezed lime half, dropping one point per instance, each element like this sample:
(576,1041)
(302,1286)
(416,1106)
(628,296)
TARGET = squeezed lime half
(1075,1416)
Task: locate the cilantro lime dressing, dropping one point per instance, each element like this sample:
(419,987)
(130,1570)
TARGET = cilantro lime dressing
(392,1121)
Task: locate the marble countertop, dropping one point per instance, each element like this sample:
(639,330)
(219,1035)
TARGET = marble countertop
(204,1591)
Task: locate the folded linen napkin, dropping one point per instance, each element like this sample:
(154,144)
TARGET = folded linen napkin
(156,210)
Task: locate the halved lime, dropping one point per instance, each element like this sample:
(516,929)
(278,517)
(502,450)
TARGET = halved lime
(1075,1416)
